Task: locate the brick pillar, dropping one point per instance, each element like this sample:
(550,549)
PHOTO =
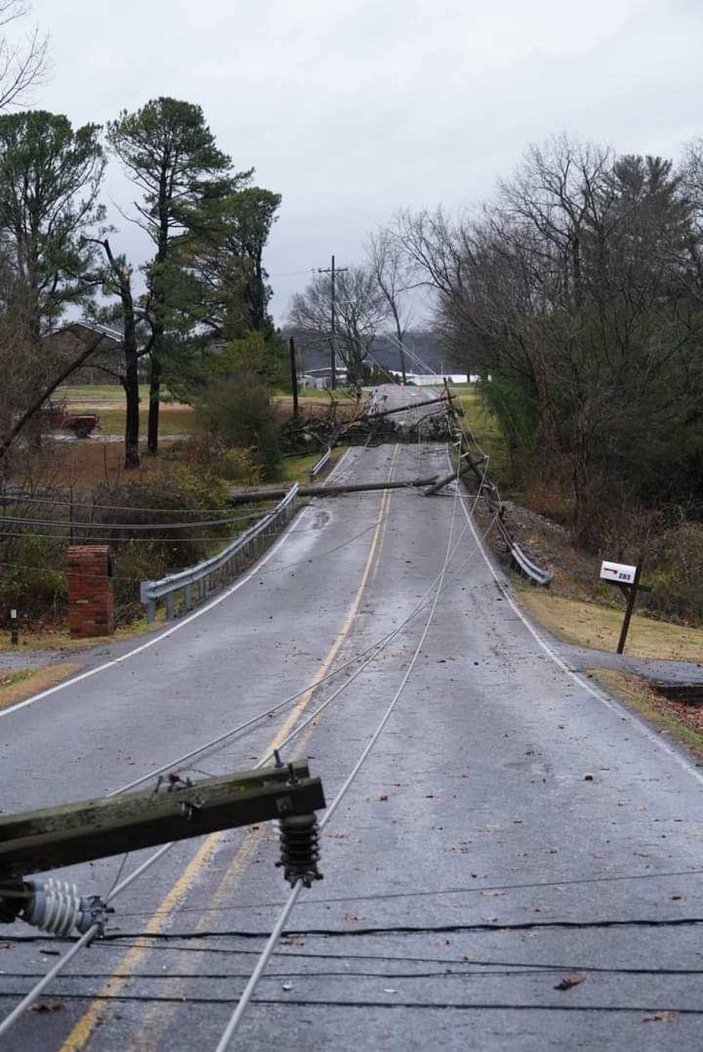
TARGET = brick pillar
(90,610)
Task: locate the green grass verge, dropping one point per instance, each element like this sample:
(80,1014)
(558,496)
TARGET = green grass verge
(297,469)
(21,685)
(596,626)
(488,433)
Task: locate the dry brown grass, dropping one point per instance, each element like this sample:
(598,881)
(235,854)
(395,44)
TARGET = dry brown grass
(18,686)
(590,625)
(682,722)
(83,464)
(60,640)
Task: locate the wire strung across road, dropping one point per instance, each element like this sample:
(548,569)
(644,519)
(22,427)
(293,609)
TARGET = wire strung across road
(98,526)
(649,1012)
(261,965)
(374,650)
(88,936)
(474,966)
(116,890)
(144,510)
(473,889)
(123,577)
(448,968)
(369,653)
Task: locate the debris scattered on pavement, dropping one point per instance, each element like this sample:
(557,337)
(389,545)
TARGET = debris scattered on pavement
(570,981)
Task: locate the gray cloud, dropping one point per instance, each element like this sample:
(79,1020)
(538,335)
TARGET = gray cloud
(354,108)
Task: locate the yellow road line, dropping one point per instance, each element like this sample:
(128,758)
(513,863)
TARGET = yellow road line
(157,1017)
(131,961)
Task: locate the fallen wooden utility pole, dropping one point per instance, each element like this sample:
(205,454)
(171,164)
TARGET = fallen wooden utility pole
(37,841)
(373,414)
(251,496)
(471,465)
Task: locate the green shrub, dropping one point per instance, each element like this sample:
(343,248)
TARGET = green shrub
(238,412)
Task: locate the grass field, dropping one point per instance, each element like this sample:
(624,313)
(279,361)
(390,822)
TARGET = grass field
(173,420)
(297,469)
(108,401)
(489,436)
(83,463)
(95,393)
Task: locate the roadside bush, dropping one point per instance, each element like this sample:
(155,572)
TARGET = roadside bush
(677,584)
(175,494)
(548,499)
(510,399)
(237,412)
(32,579)
(232,463)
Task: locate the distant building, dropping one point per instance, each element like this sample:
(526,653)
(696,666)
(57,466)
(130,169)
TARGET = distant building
(68,342)
(423,352)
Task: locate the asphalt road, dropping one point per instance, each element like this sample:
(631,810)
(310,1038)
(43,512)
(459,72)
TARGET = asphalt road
(511,828)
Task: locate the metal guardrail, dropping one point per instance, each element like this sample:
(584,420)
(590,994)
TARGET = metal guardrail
(528,568)
(520,561)
(197,582)
(324,459)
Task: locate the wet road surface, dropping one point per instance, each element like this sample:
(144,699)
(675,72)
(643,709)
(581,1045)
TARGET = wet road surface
(512,831)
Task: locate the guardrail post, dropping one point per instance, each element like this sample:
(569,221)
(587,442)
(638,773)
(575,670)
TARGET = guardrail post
(188,597)
(170,607)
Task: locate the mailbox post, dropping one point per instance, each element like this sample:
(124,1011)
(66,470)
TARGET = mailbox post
(627,578)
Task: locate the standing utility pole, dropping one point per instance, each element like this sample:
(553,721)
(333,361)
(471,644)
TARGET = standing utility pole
(293,377)
(333,347)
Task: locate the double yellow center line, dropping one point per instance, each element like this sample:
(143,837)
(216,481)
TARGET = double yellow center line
(132,960)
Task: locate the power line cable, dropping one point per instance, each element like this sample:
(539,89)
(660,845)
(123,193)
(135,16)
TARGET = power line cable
(4,502)
(473,889)
(116,890)
(261,965)
(64,523)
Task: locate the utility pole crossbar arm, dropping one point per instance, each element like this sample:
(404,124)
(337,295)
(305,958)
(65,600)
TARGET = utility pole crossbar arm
(37,841)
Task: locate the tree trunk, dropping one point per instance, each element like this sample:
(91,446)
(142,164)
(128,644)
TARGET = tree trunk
(131,378)
(154,404)
(131,431)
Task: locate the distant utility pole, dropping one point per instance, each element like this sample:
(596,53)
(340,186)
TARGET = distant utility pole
(293,377)
(333,348)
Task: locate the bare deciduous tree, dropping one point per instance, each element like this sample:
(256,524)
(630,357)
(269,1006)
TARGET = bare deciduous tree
(570,291)
(22,64)
(360,308)
(388,263)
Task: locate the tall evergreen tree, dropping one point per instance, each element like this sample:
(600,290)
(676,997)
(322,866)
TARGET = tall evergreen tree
(225,258)
(171,155)
(49,181)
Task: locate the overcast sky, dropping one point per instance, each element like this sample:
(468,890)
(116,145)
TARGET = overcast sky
(353,108)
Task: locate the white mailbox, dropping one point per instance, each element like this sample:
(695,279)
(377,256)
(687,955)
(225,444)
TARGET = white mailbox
(620,573)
